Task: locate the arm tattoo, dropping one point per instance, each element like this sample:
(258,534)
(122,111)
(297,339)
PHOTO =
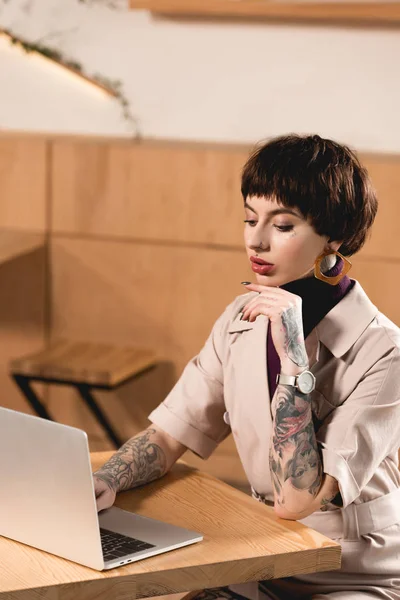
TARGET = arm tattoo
(139,461)
(294,338)
(294,454)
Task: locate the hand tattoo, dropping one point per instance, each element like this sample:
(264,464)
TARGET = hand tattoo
(139,461)
(294,338)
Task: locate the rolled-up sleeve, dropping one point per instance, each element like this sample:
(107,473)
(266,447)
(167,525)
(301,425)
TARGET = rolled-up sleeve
(193,411)
(365,429)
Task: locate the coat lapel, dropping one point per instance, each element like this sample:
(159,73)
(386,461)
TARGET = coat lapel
(247,396)
(249,363)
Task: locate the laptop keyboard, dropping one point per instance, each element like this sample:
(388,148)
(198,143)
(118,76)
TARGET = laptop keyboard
(116,545)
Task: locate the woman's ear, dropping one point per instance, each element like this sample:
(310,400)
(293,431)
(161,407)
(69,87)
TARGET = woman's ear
(334,245)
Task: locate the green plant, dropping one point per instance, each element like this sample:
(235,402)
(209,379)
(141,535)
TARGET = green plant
(113,86)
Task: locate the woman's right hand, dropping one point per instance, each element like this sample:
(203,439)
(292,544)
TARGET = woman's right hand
(105,494)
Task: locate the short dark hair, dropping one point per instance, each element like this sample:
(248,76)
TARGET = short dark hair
(323,179)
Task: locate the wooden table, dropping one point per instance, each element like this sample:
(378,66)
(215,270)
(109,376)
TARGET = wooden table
(243,541)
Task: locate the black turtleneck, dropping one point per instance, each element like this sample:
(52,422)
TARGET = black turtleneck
(318,299)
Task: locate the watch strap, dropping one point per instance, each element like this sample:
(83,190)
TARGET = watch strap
(286,379)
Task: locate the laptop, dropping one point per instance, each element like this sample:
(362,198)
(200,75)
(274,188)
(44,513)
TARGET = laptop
(47,499)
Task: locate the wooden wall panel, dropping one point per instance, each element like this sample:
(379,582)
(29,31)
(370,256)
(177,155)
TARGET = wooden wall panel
(23,183)
(149,191)
(385,175)
(22,316)
(181,193)
(143,293)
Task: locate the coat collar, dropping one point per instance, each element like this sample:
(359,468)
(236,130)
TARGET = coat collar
(338,330)
(237,325)
(345,323)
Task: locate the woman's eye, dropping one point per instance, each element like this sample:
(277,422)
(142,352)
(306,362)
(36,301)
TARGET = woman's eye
(284,227)
(250,222)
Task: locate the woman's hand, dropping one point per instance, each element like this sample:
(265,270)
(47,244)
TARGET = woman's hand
(283,310)
(105,494)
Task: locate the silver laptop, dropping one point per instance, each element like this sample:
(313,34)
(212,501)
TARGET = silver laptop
(47,499)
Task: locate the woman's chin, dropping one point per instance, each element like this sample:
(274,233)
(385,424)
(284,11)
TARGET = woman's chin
(275,280)
(268,280)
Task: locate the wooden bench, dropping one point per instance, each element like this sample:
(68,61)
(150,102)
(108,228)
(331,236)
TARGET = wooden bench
(84,365)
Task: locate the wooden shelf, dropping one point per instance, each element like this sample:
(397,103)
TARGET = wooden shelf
(15,243)
(374,12)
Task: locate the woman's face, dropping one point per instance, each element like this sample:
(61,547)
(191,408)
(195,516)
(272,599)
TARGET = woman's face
(282,237)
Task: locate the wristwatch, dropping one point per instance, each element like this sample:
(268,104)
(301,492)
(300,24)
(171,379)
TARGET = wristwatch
(305,382)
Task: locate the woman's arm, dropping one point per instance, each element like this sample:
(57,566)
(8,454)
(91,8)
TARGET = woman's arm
(145,457)
(300,486)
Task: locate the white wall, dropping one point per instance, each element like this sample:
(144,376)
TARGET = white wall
(234,82)
(38,95)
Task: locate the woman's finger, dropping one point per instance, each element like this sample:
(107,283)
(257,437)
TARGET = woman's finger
(256,300)
(260,301)
(101,501)
(261,309)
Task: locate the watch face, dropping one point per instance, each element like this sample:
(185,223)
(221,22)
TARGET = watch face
(306,382)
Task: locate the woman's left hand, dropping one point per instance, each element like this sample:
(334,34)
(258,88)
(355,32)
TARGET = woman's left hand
(283,310)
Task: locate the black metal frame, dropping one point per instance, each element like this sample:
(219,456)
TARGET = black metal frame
(84,389)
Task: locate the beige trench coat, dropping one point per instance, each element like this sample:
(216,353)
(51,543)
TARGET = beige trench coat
(354,355)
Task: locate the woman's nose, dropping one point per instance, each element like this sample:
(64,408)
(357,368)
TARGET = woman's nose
(256,242)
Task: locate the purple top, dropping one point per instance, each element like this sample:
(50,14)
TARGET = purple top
(318,299)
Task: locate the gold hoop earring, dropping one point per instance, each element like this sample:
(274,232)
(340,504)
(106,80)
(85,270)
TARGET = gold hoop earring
(331,280)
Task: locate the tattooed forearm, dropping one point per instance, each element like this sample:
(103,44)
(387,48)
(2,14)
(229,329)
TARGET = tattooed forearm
(276,473)
(294,339)
(139,461)
(294,455)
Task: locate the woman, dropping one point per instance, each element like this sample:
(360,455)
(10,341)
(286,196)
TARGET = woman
(303,370)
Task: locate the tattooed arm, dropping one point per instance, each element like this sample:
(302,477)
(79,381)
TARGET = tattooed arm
(300,486)
(142,459)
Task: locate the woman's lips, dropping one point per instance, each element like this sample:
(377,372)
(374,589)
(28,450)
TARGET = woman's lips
(259,260)
(262,269)
(260,266)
